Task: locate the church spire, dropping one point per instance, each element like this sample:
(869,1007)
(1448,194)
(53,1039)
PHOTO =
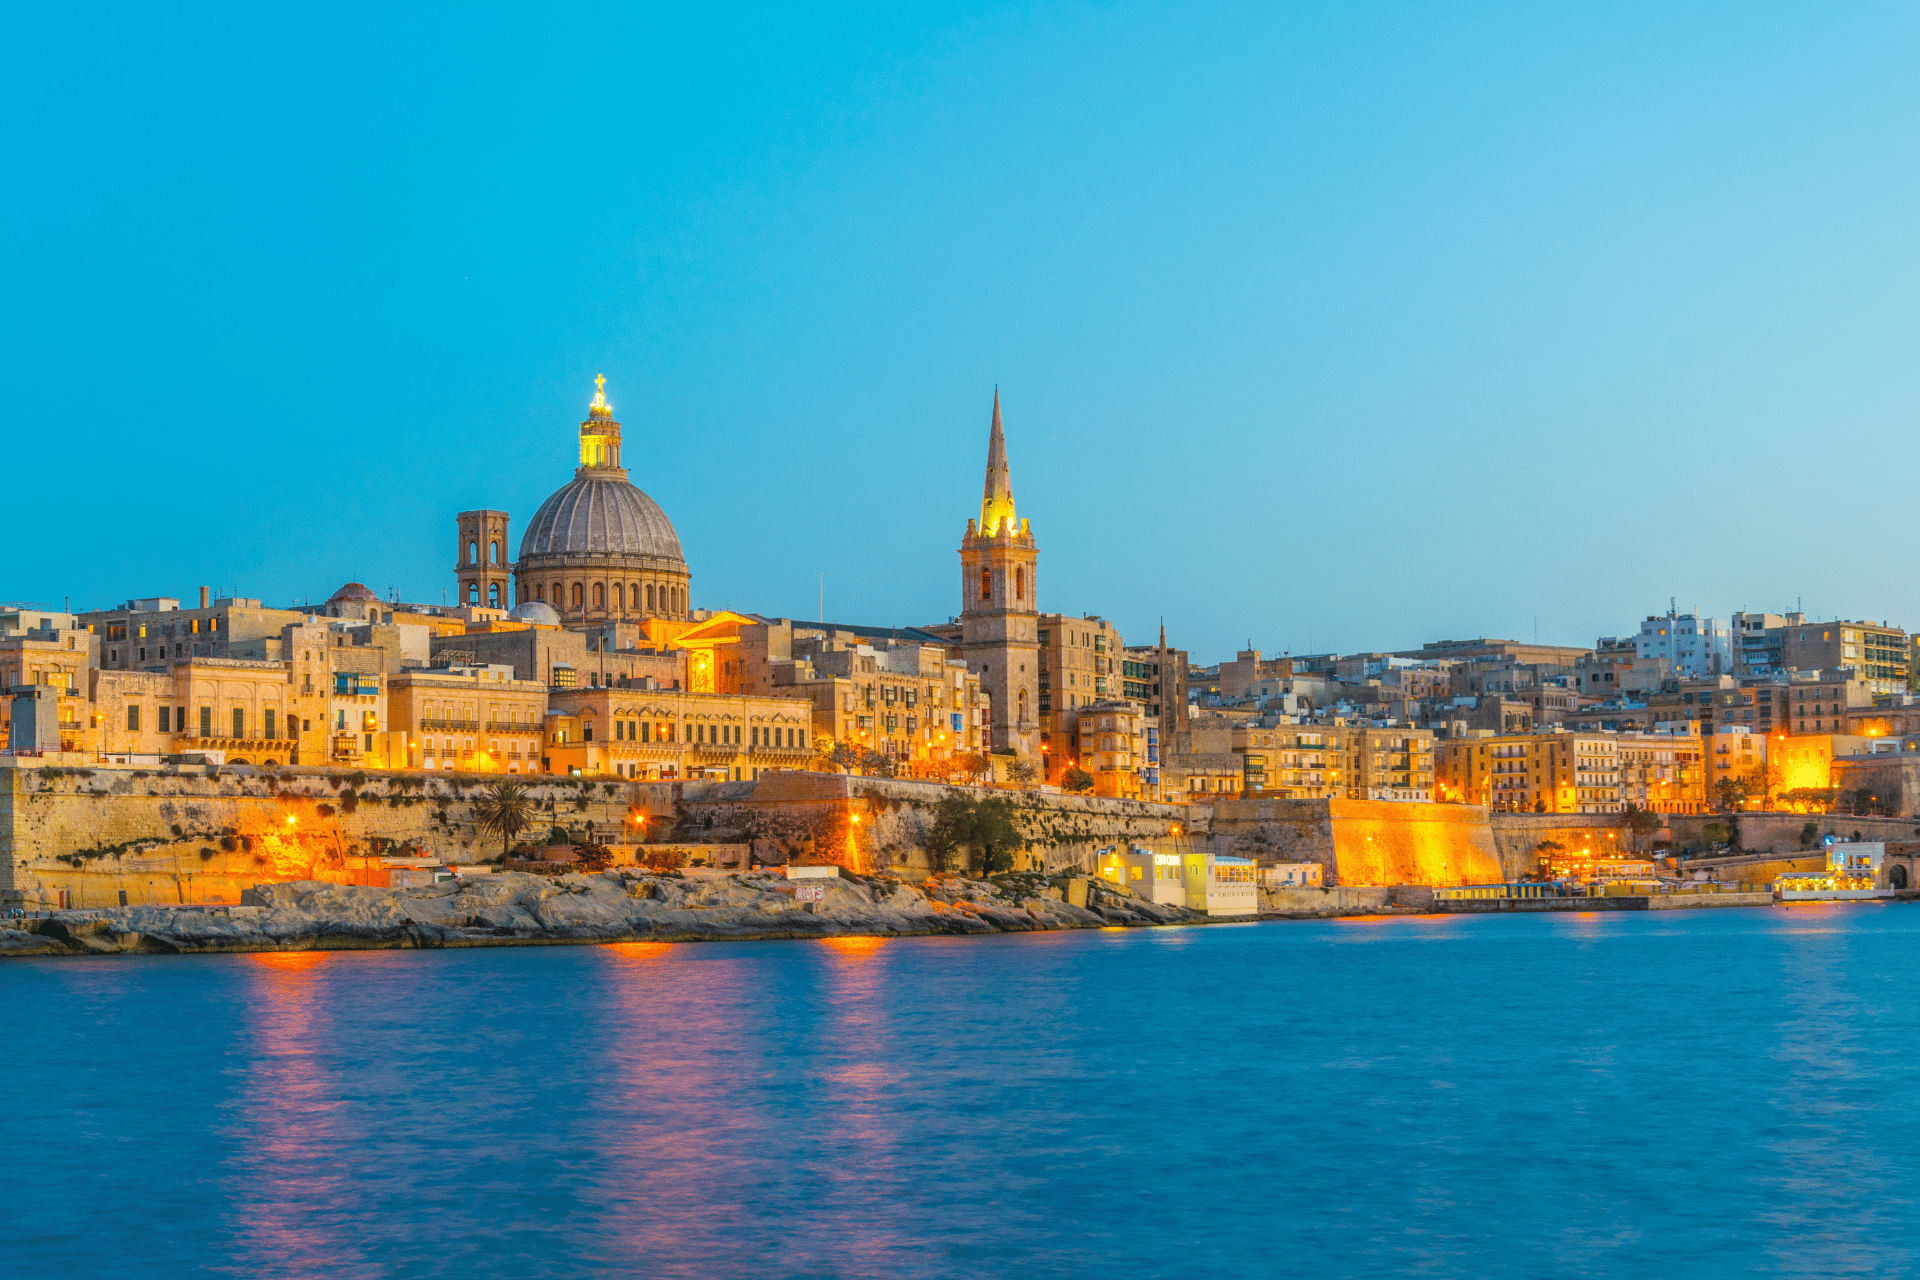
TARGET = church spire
(996,505)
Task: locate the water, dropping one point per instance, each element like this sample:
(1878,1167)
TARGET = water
(1682,1093)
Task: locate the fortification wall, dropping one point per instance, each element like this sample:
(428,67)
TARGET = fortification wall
(84,836)
(1364,842)
(1780,832)
(880,824)
(1518,837)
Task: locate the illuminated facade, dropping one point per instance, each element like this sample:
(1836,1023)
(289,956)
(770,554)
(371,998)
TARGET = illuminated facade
(1079,664)
(1533,773)
(1000,617)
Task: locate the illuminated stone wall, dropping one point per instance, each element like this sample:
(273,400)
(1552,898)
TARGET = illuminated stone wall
(182,836)
(879,824)
(1364,842)
(1518,836)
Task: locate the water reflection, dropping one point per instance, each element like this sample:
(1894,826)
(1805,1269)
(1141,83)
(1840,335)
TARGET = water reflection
(637,950)
(287,1190)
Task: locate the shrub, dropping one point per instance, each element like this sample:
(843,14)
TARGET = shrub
(324,810)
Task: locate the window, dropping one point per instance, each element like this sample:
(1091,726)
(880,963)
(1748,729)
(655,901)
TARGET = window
(267,723)
(493,595)
(539,591)
(599,595)
(473,552)
(649,595)
(165,727)
(133,717)
(473,593)
(1019,584)
(493,552)
(986,585)
(579,595)
(206,722)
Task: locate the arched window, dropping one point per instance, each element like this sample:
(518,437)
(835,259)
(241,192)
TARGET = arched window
(650,605)
(539,591)
(493,551)
(986,585)
(579,595)
(1019,584)
(493,595)
(633,596)
(619,597)
(473,593)
(1023,704)
(473,552)
(559,595)
(599,595)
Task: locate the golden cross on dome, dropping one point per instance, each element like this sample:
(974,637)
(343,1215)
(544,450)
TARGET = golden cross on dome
(600,391)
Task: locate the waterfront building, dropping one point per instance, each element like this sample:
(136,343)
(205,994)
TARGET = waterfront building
(1290,875)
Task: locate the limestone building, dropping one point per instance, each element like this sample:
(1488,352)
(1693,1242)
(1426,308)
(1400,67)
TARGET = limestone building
(598,548)
(1000,618)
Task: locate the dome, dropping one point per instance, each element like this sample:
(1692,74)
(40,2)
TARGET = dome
(357,591)
(535,611)
(601,516)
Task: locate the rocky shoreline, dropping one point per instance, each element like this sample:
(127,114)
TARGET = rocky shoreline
(625,905)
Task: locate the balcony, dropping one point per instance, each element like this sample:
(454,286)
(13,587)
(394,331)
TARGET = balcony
(461,726)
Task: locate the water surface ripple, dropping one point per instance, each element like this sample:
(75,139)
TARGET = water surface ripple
(1688,1093)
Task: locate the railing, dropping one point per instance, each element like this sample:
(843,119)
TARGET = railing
(455,726)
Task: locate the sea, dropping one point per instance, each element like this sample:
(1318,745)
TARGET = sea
(1686,1093)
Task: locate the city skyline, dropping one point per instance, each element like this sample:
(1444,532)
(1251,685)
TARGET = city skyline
(1330,331)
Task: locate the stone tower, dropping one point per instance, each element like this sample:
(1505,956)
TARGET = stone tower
(999,616)
(484,574)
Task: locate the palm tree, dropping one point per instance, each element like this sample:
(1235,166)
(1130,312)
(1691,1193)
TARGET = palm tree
(504,809)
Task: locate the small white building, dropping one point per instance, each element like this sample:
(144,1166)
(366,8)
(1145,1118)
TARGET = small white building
(1214,883)
(1291,875)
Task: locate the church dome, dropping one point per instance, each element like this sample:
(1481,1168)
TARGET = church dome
(358,592)
(538,612)
(600,515)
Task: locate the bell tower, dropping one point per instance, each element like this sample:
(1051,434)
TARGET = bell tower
(1000,613)
(483,574)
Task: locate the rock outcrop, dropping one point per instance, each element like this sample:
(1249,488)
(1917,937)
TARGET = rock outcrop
(617,906)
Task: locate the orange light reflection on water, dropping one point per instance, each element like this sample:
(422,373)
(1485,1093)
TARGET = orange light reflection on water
(637,950)
(855,946)
(289,961)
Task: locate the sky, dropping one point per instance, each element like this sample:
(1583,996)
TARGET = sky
(1321,326)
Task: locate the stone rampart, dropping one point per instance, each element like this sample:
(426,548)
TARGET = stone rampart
(80,837)
(879,824)
(1363,842)
(1519,835)
(1780,832)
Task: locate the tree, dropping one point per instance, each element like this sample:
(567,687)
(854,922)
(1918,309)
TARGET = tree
(1076,779)
(1820,798)
(949,832)
(1731,793)
(595,857)
(845,756)
(997,835)
(1546,849)
(1810,835)
(1717,833)
(505,810)
(972,765)
(878,765)
(1022,772)
(1640,824)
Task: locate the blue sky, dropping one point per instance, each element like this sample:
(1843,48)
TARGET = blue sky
(1370,323)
